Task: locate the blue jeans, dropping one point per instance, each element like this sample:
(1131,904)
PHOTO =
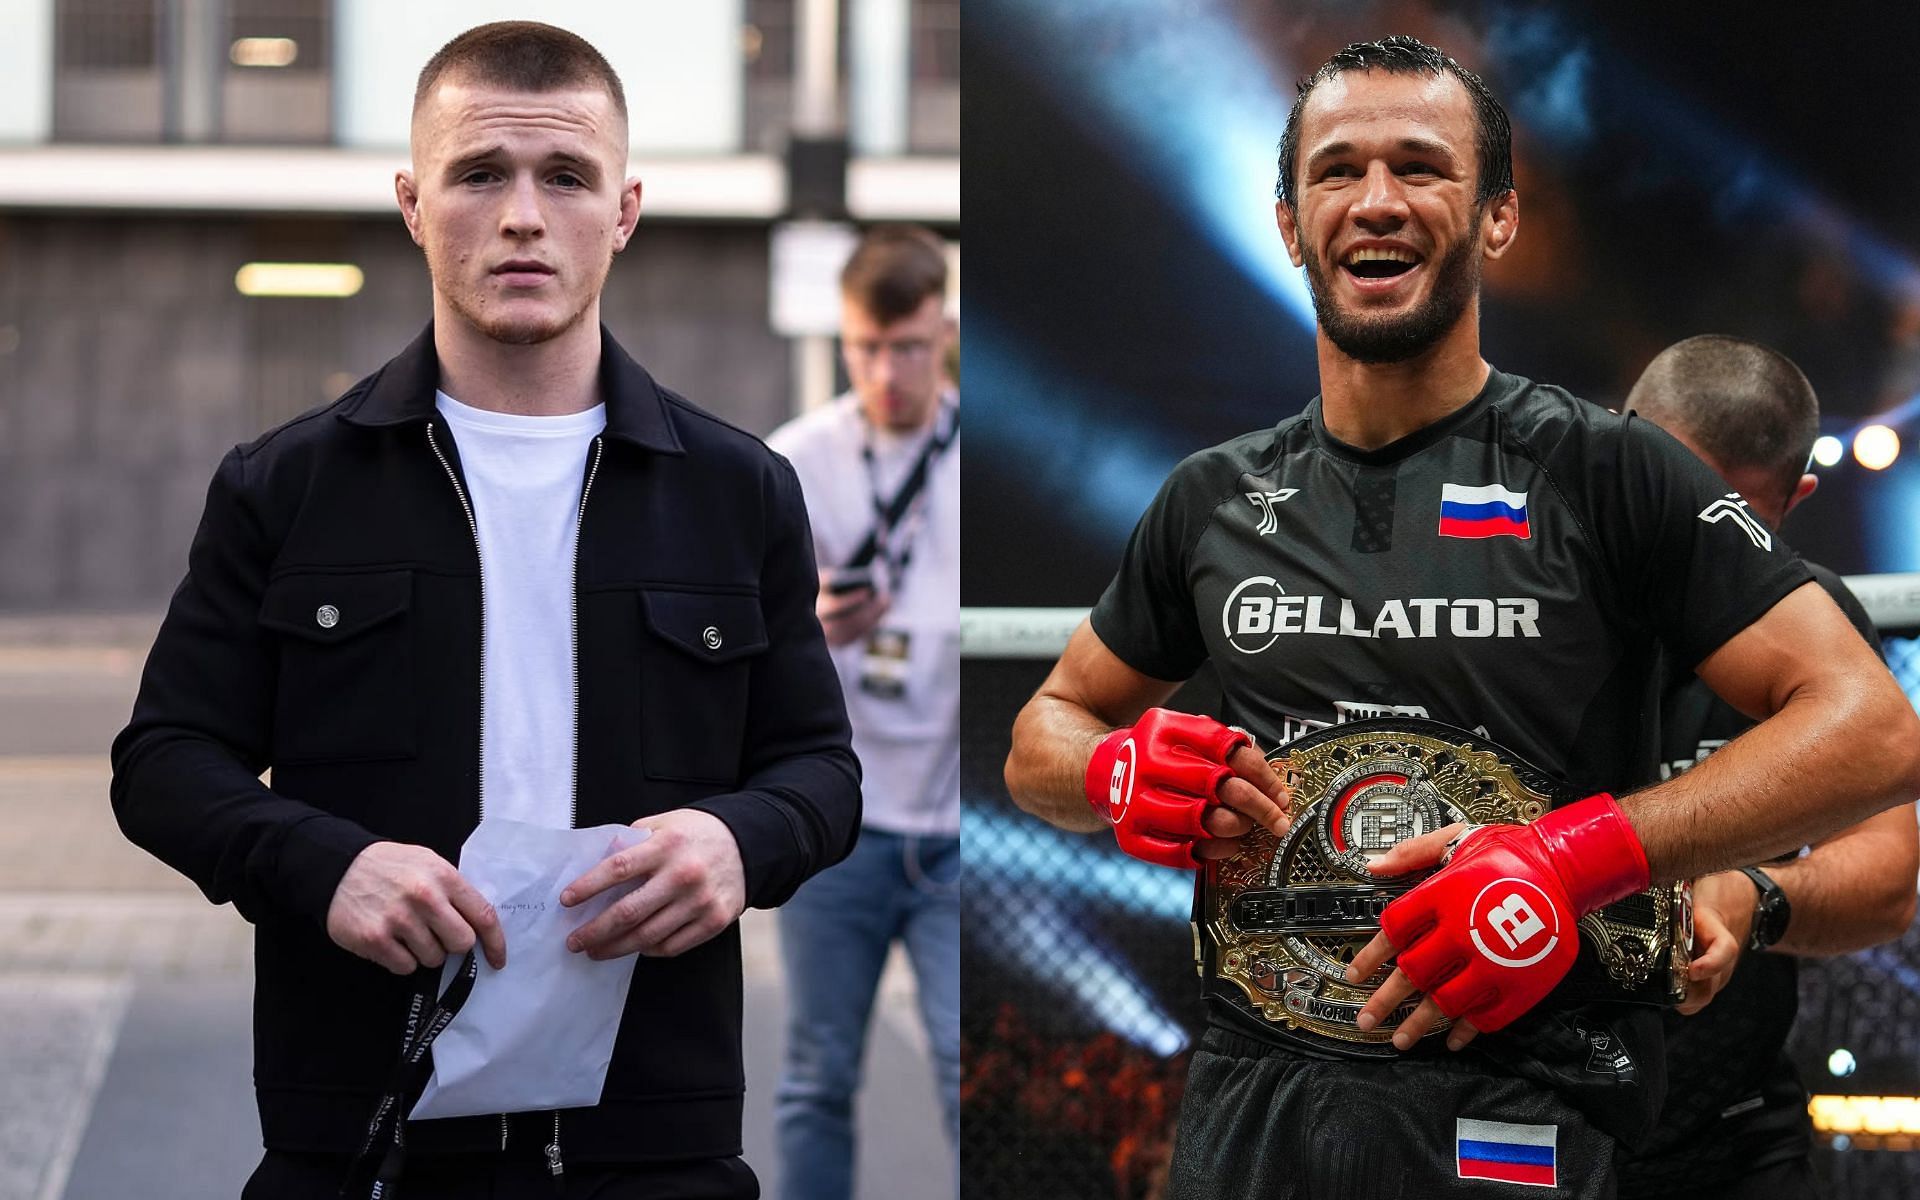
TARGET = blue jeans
(834,936)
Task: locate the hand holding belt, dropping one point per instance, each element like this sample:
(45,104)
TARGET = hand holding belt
(1154,781)
(1489,934)
(1290,922)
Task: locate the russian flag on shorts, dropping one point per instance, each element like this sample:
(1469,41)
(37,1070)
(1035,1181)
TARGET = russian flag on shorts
(1482,512)
(1509,1153)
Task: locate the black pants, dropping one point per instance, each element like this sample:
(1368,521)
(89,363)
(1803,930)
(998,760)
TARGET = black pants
(509,1176)
(1262,1123)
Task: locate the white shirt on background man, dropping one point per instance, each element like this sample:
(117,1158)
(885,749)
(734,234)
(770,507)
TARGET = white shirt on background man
(909,745)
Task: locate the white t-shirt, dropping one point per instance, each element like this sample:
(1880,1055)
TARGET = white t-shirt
(909,744)
(524,477)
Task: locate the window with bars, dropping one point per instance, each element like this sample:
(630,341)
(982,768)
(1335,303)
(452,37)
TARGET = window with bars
(769,45)
(278,79)
(109,74)
(108,34)
(193,71)
(933,125)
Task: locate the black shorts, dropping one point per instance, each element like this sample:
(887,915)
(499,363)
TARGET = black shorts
(1761,1143)
(1263,1122)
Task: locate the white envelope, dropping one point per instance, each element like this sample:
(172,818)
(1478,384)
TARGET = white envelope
(538,1034)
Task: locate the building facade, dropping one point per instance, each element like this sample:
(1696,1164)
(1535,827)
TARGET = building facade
(154,154)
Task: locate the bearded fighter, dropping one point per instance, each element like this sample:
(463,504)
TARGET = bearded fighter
(1436,537)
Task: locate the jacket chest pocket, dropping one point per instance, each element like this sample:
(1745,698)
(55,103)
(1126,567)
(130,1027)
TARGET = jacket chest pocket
(346,666)
(696,677)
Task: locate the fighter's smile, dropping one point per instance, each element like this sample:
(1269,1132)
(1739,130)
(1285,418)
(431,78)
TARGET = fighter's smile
(1378,268)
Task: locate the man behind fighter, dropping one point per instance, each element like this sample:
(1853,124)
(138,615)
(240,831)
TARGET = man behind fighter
(1434,536)
(1735,1123)
(506,575)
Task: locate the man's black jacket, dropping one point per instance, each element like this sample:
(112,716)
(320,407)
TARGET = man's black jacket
(329,628)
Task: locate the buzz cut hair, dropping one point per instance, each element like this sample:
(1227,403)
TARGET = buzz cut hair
(525,56)
(1747,407)
(893,270)
(1401,54)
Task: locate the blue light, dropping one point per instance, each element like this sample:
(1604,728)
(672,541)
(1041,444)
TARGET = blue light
(1894,527)
(1888,960)
(1549,59)
(1024,851)
(1059,878)
(1554,90)
(1059,956)
(1080,454)
(1903,659)
(1896,416)
(1188,98)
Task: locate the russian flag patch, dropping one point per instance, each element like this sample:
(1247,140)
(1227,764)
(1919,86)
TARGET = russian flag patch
(1482,512)
(1509,1153)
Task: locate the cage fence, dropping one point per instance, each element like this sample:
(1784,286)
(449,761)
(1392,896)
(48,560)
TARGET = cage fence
(1082,1003)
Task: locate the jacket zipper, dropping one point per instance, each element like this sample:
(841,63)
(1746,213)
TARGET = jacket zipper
(579,530)
(473,527)
(480,767)
(554,1167)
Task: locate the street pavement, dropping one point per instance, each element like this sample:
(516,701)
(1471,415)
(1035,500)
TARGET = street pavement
(125,998)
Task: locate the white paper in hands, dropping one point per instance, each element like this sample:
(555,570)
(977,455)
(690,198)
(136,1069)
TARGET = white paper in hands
(538,1034)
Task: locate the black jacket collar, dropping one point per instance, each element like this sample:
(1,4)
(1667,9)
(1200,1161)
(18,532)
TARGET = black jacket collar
(402,392)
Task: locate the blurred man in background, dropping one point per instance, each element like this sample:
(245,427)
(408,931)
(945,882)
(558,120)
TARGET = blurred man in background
(507,575)
(880,467)
(1735,1122)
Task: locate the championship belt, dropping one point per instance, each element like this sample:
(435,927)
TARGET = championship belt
(1278,922)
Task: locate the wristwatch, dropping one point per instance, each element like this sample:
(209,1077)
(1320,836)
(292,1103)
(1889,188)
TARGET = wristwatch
(1771,911)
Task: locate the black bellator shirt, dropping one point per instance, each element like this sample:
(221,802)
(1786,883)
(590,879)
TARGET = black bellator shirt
(1734,1102)
(1515,568)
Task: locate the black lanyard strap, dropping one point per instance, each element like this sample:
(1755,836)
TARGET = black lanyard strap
(887,514)
(375,1173)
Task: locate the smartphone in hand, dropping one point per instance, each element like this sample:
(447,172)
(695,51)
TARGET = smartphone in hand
(850,579)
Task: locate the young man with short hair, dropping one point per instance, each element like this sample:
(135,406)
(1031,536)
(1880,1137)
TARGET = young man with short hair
(507,575)
(881,470)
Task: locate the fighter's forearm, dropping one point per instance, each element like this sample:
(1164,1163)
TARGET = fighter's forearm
(1832,915)
(1852,892)
(1827,759)
(1046,770)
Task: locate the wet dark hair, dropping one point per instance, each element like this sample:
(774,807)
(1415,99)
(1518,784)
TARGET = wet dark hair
(524,55)
(1745,406)
(893,271)
(1403,55)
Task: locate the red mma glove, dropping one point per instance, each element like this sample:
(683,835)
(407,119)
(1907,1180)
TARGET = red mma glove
(1154,781)
(1490,933)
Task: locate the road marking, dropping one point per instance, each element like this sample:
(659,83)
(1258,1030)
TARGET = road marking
(56,1035)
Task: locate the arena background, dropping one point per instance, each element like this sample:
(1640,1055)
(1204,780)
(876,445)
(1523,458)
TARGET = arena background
(1682,169)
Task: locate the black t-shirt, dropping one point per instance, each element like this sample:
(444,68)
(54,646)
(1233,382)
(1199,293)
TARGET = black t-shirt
(1734,1102)
(1515,568)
